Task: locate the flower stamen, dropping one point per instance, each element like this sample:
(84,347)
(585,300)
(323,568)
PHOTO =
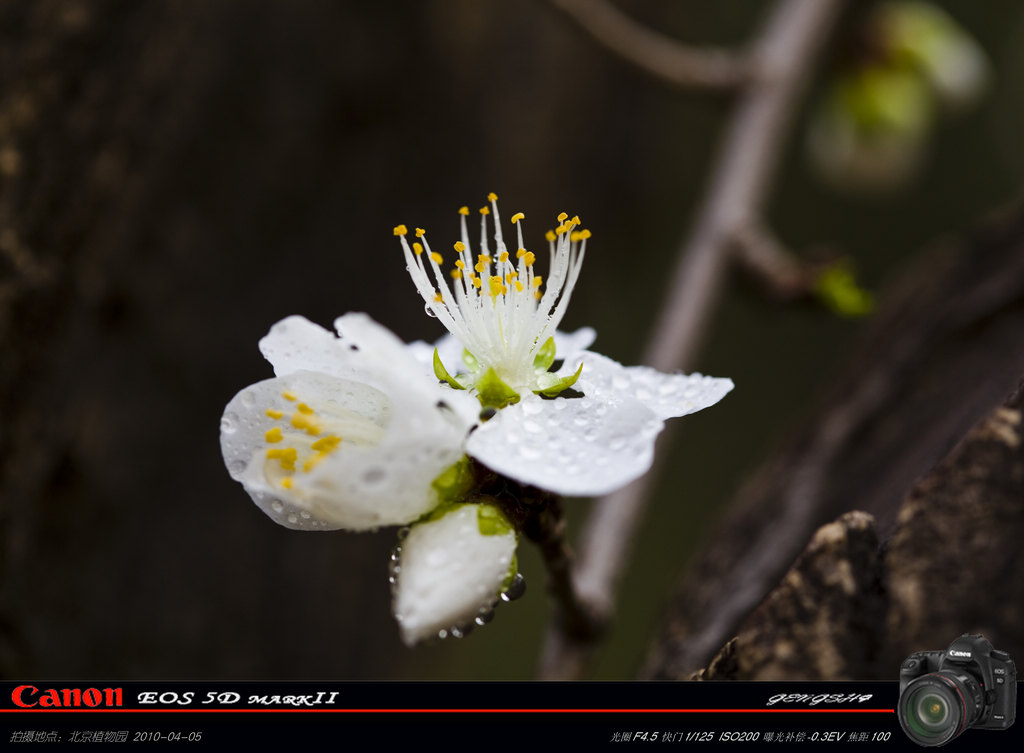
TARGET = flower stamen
(500,314)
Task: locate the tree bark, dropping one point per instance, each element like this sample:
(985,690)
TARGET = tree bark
(943,354)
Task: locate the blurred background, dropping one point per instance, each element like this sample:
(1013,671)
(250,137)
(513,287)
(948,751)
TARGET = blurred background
(175,177)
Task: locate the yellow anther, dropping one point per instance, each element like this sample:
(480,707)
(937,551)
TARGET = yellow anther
(538,281)
(438,298)
(456,274)
(460,246)
(420,232)
(476,282)
(480,267)
(463,210)
(575,236)
(289,395)
(401,230)
(550,235)
(484,258)
(275,413)
(584,234)
(286,455)
(485,210)
(519,286)
(274,435)
(511,276)
(492,196)
(460,264)
(326,444)
(529,258)
(561,217)
(520,252)
(517,216)
(575,220)
(305,423)
(436,257)
(313,462)
(537,295)
(503,257)
(286,482)
(303,408)
(418,248)
(562,228)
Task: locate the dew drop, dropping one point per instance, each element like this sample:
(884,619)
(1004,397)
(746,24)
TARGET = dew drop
(484,617)
(229,423)
(442,634)
(515,589)
(532,427)
(305,515)
(236,467)
(620,382)
(581,420)
(430,312)
(293,519)
(277,506)
(529,452)
(532,407)
(248,399)
(402,533)
(667,388)
(642,394)
(617,444)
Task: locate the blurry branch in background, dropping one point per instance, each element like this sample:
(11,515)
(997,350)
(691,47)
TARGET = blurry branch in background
(778,63)
(662,57)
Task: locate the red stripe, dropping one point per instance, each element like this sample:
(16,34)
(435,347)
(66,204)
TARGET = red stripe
(448,711)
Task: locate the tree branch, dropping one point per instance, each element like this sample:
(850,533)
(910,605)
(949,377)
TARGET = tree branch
(676,64)
(781,58)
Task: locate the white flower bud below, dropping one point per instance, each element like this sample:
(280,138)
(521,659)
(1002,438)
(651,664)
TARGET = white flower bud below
(452,569)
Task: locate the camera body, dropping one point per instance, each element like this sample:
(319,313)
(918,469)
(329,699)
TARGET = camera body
(942,693)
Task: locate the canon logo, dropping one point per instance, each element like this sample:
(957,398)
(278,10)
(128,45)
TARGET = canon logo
(961,654)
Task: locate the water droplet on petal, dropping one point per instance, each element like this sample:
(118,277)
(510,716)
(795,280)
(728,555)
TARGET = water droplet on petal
(532,427)
(484,617)
(532,407)
(442,634)
(667,388)
(277,506)
(430,312)
(229,423)
(235,467)
(293,519)
(248,399)
(515,589)
(620,382)
(402,533)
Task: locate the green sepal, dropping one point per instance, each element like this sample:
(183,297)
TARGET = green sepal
(491,521)
(545,356)
(493,392)
(470,360)
(561,385)
(453,483)
(442,373)
(838,290)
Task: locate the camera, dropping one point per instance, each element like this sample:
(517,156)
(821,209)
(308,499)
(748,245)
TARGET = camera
(942,693)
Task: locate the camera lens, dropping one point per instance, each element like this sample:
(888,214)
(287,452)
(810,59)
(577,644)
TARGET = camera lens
(937,707)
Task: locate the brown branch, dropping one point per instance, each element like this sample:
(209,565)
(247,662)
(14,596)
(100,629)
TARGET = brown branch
(943,352)
(761,254)
(781,58)
(677,64)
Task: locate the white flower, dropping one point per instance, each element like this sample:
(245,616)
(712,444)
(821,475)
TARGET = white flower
(349,434)
(452,568)
(583,430)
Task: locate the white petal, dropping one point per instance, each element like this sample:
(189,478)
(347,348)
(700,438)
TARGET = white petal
(667,395)
(297,344)
(398,429)
(569,346)
(574,446)
(450,572)
(380,472)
